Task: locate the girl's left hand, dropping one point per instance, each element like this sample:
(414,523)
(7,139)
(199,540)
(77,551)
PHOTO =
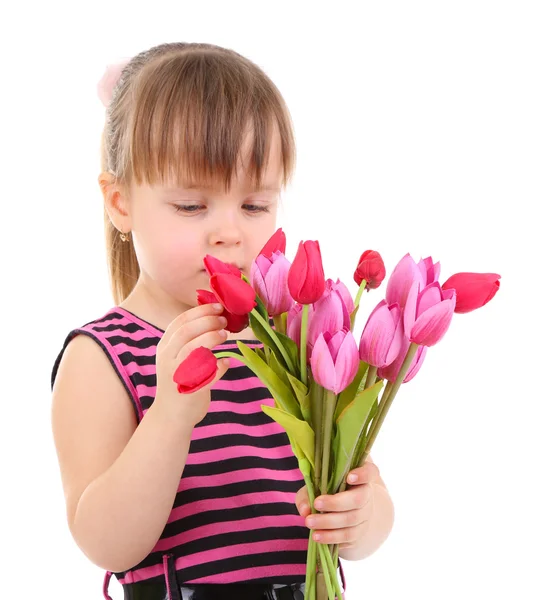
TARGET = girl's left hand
(347,513)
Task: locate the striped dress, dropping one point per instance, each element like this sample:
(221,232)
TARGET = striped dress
(234,517)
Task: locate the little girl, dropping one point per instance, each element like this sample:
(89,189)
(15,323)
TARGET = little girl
(181,496)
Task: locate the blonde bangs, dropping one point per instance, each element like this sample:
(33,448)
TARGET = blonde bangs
(191,114)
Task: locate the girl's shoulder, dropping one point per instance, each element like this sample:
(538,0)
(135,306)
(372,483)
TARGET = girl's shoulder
(120,337)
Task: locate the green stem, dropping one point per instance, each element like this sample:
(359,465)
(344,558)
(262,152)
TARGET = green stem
(329,407)
(228,354)
(389,398)
(276,340)
(303,344)
(371,376)
(317,416)
(359,293)
(332,569)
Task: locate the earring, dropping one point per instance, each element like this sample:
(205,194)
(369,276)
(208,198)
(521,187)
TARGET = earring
(124,236)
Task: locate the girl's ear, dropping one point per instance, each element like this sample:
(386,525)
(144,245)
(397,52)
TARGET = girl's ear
(116,201)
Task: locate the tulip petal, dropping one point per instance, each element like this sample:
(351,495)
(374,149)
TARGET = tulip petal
(214,266)
(378,335)
(327,316)
(431,325)
(322,365)
(279,297)
(428,297)
(277,242)
(411,309)
(473,290)
(236,295)
(429,271)
(196,371)
(416,363)
(405,274)
(347,361)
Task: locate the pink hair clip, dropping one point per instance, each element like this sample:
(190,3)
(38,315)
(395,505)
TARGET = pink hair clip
(109,80)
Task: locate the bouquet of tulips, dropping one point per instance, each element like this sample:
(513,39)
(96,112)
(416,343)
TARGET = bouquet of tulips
(331,394)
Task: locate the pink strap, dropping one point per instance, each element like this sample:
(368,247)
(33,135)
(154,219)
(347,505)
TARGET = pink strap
(106,581)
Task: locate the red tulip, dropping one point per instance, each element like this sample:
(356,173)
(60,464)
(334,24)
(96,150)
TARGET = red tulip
(196,371)
(473,290)
(214,266)
(306,275)
(236,295)
(276,243)
(371,268)
(235,323)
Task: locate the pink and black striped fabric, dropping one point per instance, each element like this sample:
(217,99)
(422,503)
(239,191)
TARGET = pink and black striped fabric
(234,518)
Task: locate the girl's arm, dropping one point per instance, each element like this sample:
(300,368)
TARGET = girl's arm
(120,480)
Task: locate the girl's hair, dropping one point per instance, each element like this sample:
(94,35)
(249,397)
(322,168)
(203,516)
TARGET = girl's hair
(179,114)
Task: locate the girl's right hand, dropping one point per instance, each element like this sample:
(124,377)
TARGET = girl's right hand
(198,326)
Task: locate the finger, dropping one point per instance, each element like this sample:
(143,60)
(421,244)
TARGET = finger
(192,331)
(208,340)
(347,535)
(357,497)
(336,520)
(302,502)
(364,474)
(189,315)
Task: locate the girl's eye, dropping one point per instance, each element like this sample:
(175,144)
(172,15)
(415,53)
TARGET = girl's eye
(194,208)
(255,208)
(187,208)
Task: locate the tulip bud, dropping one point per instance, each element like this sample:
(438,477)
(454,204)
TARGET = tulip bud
(335,360)
(473,290)
(428,313)
(276,243)
(306,275)
(269,279)
(381,339)
(214,266)
(371,268)
(235,323)
(236,295)
(196,371)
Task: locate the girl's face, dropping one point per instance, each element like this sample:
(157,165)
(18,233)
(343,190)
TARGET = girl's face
(173,230)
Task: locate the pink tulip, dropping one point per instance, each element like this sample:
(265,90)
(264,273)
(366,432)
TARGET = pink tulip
(294,322)
(330,314)
(344,294)
(382,337)
(473,290)
(391,371)
(406,273)
(335,360)
(269,278)
(428,313)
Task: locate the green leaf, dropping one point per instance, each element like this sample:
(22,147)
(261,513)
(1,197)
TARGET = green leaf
(348,394)
(260,353)
(291,349)
(278,368)
(302,395)
(264,336)
(281,392)
(261,308)
(349,427)
(298,431)
(261,333)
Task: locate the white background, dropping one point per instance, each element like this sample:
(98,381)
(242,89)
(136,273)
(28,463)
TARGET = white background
(418,131)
